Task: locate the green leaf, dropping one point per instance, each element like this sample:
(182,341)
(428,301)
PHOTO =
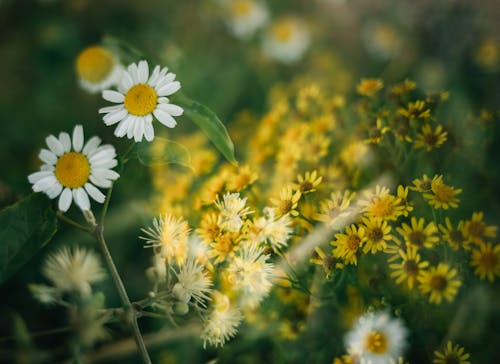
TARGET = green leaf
(25,227)
(210,124)
(162,151)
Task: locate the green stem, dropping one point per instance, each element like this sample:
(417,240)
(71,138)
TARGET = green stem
(71,222)
(99,234)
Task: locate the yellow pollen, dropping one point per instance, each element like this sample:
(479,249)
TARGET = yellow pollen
(381,207)
(376,342)
(240,8)
(283,31)
(94,64)
(353,242)
(141,100)
(72,170)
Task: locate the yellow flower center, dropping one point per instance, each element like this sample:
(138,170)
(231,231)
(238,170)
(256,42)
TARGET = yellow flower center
(410,267)
(283,31)
(381,207)
(376,234)
(240,8)
(141,100)
(376,342)
(94,64)
(285,206)
(416,238)
(353,242)
(438,283)
(72,170)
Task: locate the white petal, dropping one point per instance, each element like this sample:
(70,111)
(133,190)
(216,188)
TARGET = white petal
(45,183)
(172,109)
(126,82)
(139,131)
(169,89)
(65,141)
(100,149)
(122,127)
(91,145)
(81,198)
(132,70)
(65,200)
(54,191)
(108,109)
(131,127)
(154,77)
(165,118)
(101,182)
(55,145)
(47,167)
(163,100)
(78,138)
(105,174)
(37,176)
(143,71)
(47,156)
(115,116)
(105,163)
(165,80)
(94,192)
(149,131)
(113,96)
(104,154)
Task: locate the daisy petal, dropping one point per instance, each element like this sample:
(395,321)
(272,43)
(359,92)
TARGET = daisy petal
(113,96)
(91,145)
(165,118)
(122,127)
(143,71)
(54,191)
(45,183)
(94,193)
(149,132)
(78,138)
(100,182)
(47,156)
(126,82)
(65,141)
(115,116)
(37,176)
(81,199)
(108,109)
(139,131)
(169,89)
(172,109)
(55,145)
(65,200)
(132,71)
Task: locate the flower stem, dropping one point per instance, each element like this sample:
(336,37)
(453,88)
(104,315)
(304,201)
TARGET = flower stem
(71,222)
(99,234)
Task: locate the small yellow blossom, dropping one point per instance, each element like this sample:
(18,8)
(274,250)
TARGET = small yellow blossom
(378,233)
(410,267)
(429,138)
(347,245)
(415,110)
(288,201)
(336,208)
(486,261)
(328,262)
(418,234)
(308,183)
(369,86)
(403,87)
(451,354)
(443,195)
(381,204)
(476,230)
(402,194)
(440,283)
(376,132)
(454,236)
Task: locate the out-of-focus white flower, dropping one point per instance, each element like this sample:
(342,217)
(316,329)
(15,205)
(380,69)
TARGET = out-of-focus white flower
(193,283)
(222,322)
(139,97)
(232,210)
(245,17)
(73,269)
(44,294)
(287,40)
(97,69)
(71,169)
(376,338)
(250,274)
(382,40)
(267,228)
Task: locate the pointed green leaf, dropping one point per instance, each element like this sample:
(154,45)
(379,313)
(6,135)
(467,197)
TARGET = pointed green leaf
(25,227)
(210,124)
(163,151)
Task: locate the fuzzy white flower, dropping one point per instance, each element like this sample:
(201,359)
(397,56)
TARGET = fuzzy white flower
(139,97)
(72,170)
(193,283)
(97,69)
(169,237)
(276,232)
(250,274)
(232,210)
(287,40)
(376,338)
(73,269)
(222,322)
(245,17)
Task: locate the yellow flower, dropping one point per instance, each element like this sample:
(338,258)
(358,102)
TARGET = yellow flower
(369,86)
(419,235)
(415,110)
(410,268)
(209,229)
(454,235)
(486,260)
(308,182)
(224,246)
(440,283)
(377,233)
(345,359)
(347,245)
(288,201)
(381,204)
(451,354)
(429,138)
(403,88)
(443,195)
(376,132)
(424,184)
(401,128)
(476,230)
(241,179)
(402,194)
(335,208)
(328,262)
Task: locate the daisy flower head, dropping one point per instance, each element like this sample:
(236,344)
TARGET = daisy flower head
(73,269)
(486,261)
(97,69)
(245,17)
(287,40)
(369,86)
(72,169)
(430,138)
(410,267)
(141,96)
(439,282)
(418,234)
(377,338)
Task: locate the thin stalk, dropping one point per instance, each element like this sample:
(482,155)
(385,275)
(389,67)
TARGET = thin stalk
(71,222)
(123,294)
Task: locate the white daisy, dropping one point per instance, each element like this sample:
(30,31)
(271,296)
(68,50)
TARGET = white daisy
(376,338)
(139,97)
(72,170)
(245,17)
(287,40)
(97,69)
